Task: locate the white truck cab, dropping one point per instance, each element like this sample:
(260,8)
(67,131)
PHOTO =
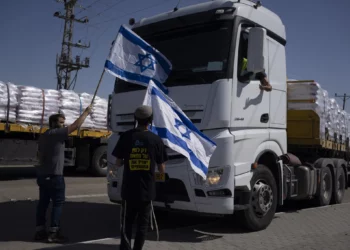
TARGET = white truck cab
(206,44)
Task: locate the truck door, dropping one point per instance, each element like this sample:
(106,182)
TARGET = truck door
(251,106)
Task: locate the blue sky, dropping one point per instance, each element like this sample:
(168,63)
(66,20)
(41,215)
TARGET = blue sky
(318,39)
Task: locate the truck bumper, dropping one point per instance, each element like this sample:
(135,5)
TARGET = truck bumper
(177,195)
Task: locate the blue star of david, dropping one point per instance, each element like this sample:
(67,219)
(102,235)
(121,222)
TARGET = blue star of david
(145,67)
(179,123)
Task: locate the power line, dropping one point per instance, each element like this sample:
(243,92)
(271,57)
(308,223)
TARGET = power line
(107,9)
(108,27)
(88,7)
(113,19)
(344,97)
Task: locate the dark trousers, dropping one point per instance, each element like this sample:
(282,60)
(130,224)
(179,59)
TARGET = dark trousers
(50,188)
(131,209)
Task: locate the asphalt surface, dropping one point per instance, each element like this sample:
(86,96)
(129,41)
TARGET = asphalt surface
(88,215)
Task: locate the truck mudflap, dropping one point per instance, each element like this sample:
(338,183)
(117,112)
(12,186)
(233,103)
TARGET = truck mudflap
(242,199)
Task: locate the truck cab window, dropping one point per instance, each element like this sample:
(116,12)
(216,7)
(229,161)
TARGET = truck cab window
(198,52)
(242,72)
(242,56)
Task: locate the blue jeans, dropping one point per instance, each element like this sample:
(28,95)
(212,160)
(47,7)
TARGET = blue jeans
(50,188)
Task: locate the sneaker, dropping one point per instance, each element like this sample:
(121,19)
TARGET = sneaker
(56,237)
(40,235)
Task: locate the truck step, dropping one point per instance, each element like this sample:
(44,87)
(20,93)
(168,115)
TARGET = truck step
(293,187)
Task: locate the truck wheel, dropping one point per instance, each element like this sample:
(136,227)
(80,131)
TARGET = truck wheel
(339,190)
(325,187)
(99,162)
(263,202)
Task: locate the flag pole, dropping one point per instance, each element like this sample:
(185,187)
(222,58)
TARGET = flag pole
(93,98)
(98,86)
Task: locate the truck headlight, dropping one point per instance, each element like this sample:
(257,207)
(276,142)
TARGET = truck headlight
(216,175)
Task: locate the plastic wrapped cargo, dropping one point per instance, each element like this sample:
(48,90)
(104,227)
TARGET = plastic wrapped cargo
(72,106)
(35,105)
(304,91)
(8,101)
(99,113)
(348,125)
(30,105)
(311,96)
(99,110)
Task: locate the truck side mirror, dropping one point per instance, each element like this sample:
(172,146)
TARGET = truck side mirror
(257,51)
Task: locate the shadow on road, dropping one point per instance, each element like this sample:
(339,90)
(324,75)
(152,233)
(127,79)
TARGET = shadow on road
(296,206)
(200,233)
(90,246)
(85,221)
(81,221)
(217,228)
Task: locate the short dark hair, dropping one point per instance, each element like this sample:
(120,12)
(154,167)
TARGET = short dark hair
(53,119)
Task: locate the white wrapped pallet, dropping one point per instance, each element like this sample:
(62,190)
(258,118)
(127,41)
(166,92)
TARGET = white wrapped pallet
(35,105)
(343,124)
(347,125)
(99,113)
(335,117)
(99,110)
(52,103)
(71,106)
(31,105)
(310,96)
(306,92)
(8,101)
(85,100)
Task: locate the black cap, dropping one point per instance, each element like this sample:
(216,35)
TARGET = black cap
(143,112)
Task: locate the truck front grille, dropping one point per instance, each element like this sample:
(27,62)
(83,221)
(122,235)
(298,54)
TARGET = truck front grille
(171,190)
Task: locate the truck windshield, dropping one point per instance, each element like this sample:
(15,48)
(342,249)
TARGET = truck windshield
(199,53)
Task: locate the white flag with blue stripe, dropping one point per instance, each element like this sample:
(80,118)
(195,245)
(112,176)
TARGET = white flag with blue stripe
(177,131)
(133,60)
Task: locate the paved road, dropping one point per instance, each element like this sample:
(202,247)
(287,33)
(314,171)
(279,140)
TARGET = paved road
(88,215)
(325,228)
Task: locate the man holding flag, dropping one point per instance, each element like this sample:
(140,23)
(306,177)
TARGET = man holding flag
(134,60)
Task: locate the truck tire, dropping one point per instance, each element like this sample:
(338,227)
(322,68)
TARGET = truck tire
(339,187)
(325,188)
(99,162)
(263,202)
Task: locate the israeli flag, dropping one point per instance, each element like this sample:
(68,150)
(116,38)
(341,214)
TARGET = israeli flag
(134,60)
(177,131)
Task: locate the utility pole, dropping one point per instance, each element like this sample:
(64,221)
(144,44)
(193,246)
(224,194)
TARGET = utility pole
(344,97)
(64,62)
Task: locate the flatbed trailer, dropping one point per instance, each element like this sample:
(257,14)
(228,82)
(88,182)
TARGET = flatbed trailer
(307,142)
(84,148)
